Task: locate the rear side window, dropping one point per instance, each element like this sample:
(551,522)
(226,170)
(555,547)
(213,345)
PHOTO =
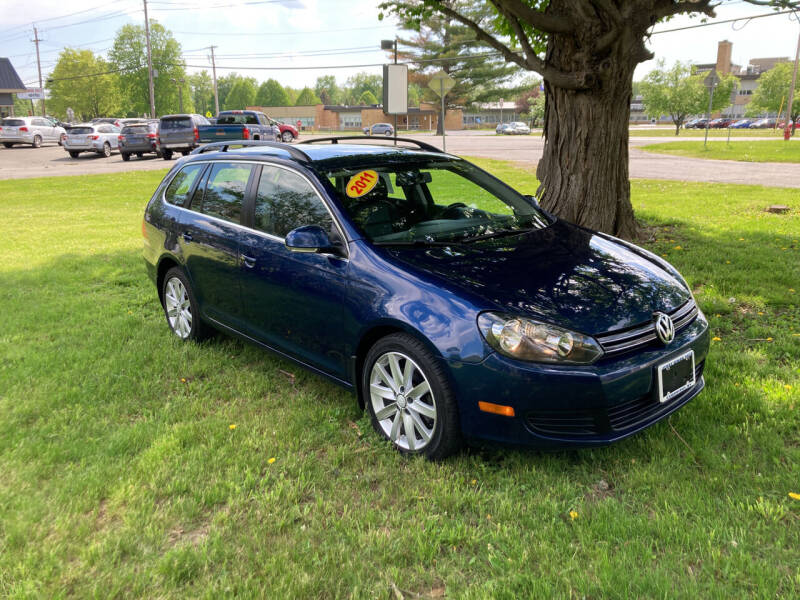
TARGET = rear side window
(180,186)
(171,124)
(237,120)
(225,190)
(12,122)
(285,201)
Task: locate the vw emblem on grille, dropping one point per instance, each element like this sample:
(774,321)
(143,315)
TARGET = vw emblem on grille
(665,328)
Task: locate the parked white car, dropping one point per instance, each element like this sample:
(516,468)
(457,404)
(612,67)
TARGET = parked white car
(101,138)
(30,130)
(502,128)
(517,128)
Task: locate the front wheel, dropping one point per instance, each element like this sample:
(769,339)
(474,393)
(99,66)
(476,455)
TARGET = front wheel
(180,307)
(125,156)
(287,136)
(409,398)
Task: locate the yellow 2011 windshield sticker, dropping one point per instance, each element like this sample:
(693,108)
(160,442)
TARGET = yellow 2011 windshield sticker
(361,183)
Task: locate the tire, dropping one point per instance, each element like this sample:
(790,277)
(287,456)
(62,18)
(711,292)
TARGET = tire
(432,414)
(106,151)
(180,307)
(389,133)
(8,144)
(185,152)
(287,137)
(125,156)
(139,154)
(368,132)
(37,141)
(74,154)
(166,154)
(62,138)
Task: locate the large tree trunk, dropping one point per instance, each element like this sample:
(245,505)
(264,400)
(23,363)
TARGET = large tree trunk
(584,169)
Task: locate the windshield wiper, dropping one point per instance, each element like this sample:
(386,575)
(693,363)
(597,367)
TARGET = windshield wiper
(496,234)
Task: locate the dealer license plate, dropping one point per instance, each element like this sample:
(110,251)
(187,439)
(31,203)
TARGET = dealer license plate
(676,376)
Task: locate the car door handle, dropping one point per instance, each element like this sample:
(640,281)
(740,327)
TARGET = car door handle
(248,261)
(187,236)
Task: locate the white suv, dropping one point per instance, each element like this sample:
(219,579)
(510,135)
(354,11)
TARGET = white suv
(30,130)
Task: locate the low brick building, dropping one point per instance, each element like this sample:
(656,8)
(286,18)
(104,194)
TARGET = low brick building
(325,117)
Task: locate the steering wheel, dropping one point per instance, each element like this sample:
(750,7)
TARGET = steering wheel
(450,211)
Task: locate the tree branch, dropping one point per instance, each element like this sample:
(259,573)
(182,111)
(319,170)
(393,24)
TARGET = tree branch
(558,78)
(684,6)
(518,31)
(535,18)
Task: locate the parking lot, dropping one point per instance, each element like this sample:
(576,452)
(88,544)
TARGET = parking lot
(22,162)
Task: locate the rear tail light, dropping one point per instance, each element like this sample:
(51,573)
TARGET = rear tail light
(152,136)
(95,137)
(121,138)
(246,134)
(196,134)
(23,129)
(144,229)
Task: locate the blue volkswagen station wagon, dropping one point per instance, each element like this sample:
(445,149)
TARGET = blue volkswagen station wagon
(453,306)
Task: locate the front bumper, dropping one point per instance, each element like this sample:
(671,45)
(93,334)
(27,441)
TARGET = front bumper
(562,406)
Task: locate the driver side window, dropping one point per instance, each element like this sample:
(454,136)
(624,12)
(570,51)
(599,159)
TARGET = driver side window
(286,201)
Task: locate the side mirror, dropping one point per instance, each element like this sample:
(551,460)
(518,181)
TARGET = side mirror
(309,238)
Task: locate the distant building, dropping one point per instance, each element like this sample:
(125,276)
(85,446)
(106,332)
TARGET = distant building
(10,84)
(490,114)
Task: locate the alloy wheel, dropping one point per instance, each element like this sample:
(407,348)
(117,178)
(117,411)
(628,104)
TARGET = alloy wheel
(178,307)
(402,401)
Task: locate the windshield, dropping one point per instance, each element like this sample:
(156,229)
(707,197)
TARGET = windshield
(432,201)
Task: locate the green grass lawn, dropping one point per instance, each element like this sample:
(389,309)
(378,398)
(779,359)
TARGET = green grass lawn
(715,133)
(132,465)
(755,151)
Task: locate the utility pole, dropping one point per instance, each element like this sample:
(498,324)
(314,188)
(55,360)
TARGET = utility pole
(179,83)
(149,63)
(39,66)
(214,74)
(789,124)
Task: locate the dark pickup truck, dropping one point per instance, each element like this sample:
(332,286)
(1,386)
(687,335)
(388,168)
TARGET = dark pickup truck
(239,125)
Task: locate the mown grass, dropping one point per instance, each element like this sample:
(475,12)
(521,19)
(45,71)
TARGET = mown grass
(755,151)
(123,476)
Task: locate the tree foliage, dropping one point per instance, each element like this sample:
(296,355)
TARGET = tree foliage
(271,93)
(678,93)
(242,95)
(368,98)
(772,93)
(81,81)
(327,89)
(202,90)
(307,97)
(129,57)
(360,83)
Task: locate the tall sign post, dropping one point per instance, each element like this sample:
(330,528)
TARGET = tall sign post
(441,83)
(395,86)
(711,82)
(789,125)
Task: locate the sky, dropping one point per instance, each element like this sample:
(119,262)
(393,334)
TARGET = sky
(298,40)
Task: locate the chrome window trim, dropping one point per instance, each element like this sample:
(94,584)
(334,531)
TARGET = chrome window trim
(270,236)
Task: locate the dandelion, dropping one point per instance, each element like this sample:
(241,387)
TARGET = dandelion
(716,339)
(727,262)
(183,379)
(677,248)
(791,290)
(736,384)
(787,387)
(271,460)
(474,481)
(573,515)
(769,339)
(741,239)
(488,517)
(232,426)
(664,255)
(760,313)
(794,496)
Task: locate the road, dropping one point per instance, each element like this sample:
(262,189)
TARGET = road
(23,162)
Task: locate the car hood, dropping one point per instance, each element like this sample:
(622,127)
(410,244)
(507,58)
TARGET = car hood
(562,274)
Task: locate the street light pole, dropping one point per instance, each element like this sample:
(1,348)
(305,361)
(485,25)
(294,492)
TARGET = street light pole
(789,122)
(149,63)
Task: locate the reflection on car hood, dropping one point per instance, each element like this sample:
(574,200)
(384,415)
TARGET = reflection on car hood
(562,274)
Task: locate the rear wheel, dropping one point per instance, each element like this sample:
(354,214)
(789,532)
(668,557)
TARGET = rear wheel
(106,151)
(180,307)
(166,154)
(185,152)
(74,154)
(125,156)
(8,144)
(37,141)
(287,136)
(409,398)
(139,154)
(389,133)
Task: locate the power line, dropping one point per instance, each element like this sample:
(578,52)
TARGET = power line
(772,14)
(271,34)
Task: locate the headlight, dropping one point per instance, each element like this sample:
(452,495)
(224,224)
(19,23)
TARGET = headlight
(527,339)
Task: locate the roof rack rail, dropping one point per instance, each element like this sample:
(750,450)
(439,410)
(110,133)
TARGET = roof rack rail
(335,140)
(295,153)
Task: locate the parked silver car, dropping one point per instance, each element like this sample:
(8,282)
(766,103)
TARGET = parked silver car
(379,129)
(517,128)
(101,138)
(30,130)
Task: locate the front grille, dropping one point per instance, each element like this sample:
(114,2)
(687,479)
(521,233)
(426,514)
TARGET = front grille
(593,422)
(638,336)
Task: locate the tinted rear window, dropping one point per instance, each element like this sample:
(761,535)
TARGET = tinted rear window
(180,186)
(168,124)
(81,130)
(136,129)
(13,122)
(237,120)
